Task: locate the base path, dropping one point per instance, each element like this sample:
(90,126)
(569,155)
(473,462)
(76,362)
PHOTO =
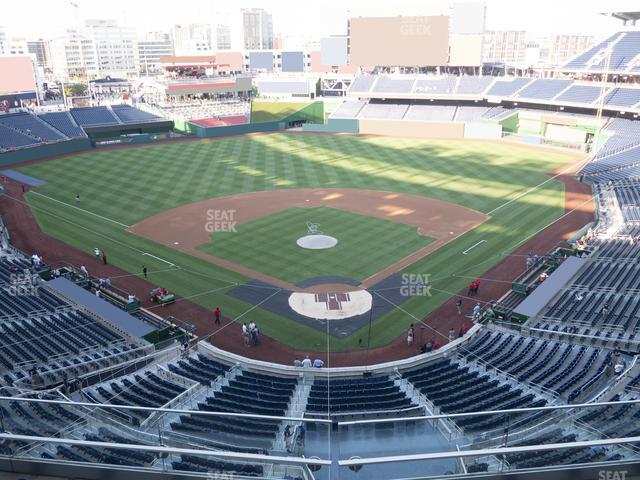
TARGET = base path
(184,228)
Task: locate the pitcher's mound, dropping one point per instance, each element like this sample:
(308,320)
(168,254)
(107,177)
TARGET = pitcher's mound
(317,242)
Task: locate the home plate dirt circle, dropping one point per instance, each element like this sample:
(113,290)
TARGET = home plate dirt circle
(331,306)
(317,242)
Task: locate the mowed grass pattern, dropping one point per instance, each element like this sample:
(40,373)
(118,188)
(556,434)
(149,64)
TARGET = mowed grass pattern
(366,245)
(127,185)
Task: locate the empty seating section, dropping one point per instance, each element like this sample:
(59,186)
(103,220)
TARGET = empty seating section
(246,393)
(68,333)
(383,111)
(64,122)
(616,161)
(8,264)
(146,389)
(10,139)
(30,125)
(442,113)
(435,86)
(544,88)
(581,61)
(393,85)
(473,85)
(626,47)
(508,88)
(201,368)
(623,133)
(27,302)
(90,116)
(128,114)
(623,97)
(580,94)
(470,113)
(562,368)
(351,395)
(348,109)
(362,84)
(455,388)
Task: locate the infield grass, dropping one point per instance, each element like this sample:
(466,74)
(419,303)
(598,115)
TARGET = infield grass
(128,185)
(366,245)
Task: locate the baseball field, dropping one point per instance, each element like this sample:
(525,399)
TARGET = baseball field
(448,210)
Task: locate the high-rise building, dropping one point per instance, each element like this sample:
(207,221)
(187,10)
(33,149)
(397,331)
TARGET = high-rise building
(192,39)
(40,50)
(17,46)
(562,48)
(3,41)
(257,28)
(116,48)
(504,46)
(222,37)
(73,56)
(153,46)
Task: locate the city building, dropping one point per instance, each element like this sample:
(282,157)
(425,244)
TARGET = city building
(3,41)
(504,46)
(257,28)
(192,39)
(116,48)
(73,56)
(222,37)
(153,46)
(40,49)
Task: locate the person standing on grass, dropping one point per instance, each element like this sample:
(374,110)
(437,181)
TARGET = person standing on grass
(77,198)
(217,314)
(144,271)
(104,257)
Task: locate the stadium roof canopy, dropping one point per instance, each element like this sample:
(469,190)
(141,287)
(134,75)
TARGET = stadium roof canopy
(632,17)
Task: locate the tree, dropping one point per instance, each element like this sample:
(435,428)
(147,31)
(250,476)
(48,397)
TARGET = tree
(76,90)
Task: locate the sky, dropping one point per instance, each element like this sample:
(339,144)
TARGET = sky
(36,18)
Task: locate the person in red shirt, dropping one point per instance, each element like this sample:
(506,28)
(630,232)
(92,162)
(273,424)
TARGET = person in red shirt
(217,314)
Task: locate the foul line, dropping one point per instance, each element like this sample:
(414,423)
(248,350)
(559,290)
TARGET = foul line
(161,259)
(473,246)
(517,197)
(81,209)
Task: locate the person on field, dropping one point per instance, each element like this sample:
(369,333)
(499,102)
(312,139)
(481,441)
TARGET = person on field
(77,198)
(144,271)
(452,335)
(217,315)
(459,306)
(410,335)
(104,257)
(96,252)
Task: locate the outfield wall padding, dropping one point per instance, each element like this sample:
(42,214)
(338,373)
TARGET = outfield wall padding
(406,128)
(333,125)
(44,151)
(208,132)
(483,130)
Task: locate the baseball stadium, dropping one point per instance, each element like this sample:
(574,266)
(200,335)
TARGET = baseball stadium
(412,263)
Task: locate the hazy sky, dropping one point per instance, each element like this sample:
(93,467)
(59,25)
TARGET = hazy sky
(34,18)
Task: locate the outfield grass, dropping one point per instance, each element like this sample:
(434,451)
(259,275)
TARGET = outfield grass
(127,185)
(268,244)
